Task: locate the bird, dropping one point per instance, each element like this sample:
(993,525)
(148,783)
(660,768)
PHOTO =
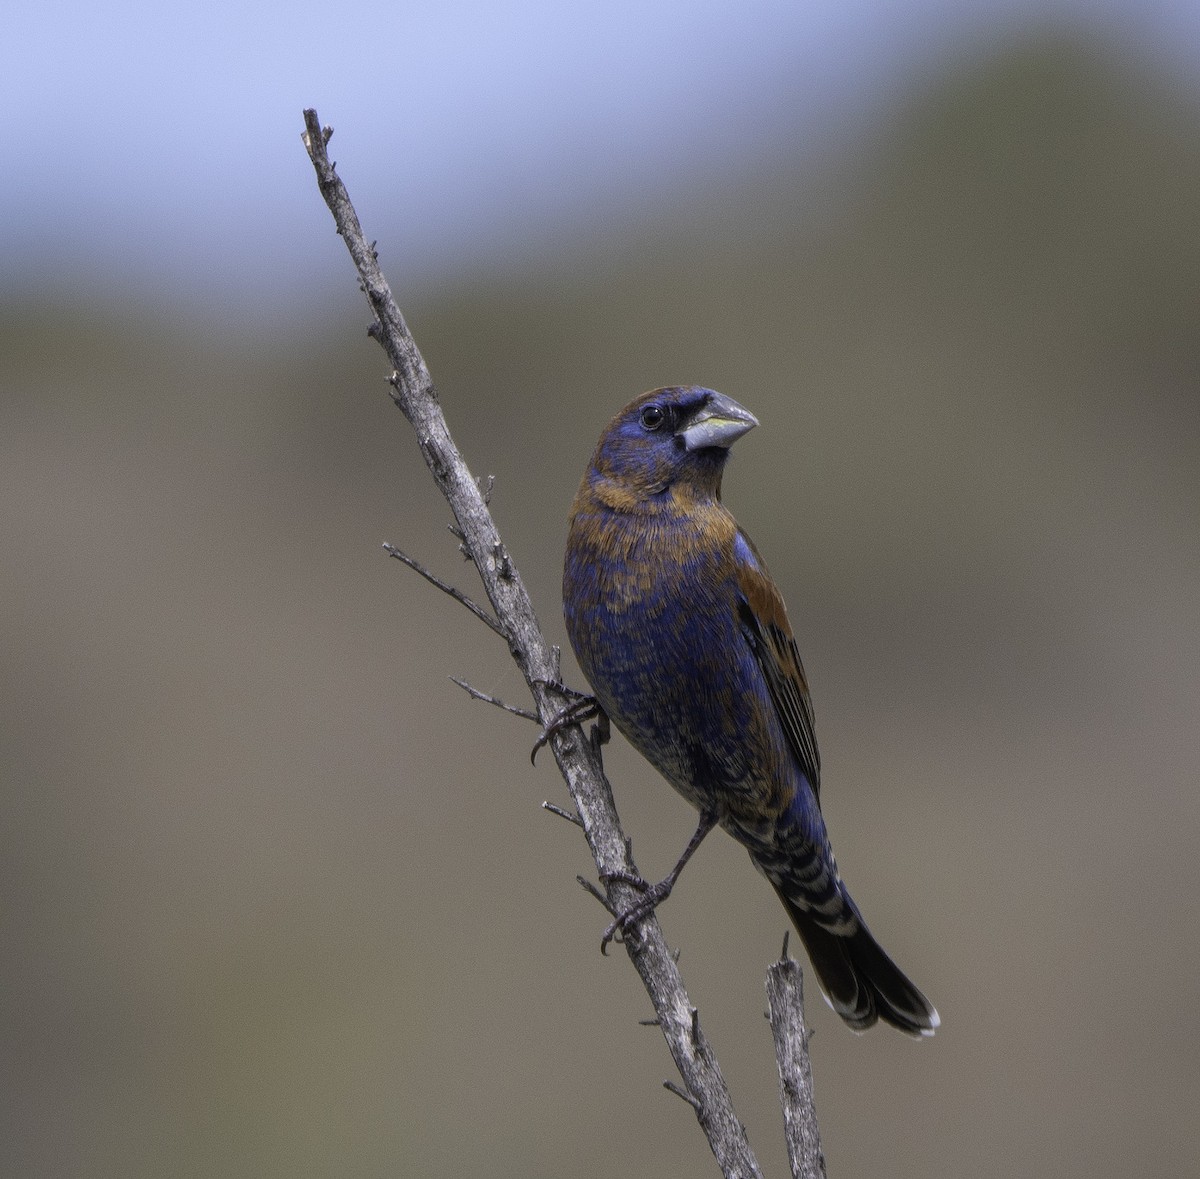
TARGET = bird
(685,641)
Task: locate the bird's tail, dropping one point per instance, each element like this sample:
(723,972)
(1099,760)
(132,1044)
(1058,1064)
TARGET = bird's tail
(860,981)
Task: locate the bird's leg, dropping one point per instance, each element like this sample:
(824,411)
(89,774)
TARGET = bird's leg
(581,709)
(653,895)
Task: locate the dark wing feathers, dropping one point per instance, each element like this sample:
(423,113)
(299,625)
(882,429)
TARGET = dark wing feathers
(764,623)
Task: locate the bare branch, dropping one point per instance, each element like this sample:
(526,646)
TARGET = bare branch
(785,996)
(476,694)
(557,810)
(446,588)
(578,757)
(674,1088)
(592,890)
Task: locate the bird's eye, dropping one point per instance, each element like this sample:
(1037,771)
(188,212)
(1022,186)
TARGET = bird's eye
(653,417)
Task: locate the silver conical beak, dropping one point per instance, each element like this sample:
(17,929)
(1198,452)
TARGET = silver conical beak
(721,422)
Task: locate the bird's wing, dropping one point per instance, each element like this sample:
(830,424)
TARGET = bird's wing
(764,624)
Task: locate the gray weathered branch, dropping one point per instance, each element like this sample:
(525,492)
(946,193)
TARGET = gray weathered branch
(785,999)
(578,758)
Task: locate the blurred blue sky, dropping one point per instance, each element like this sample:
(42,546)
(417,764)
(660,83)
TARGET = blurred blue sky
(155,144)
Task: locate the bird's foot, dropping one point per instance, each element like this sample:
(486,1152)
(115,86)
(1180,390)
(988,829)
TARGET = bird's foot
(652,896)
(582,708)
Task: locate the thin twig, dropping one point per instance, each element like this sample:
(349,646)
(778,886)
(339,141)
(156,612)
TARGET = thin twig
(476,694)
(785,997)
(557,810)
(578,757)
(592,890)
(674,1088)
(446,588)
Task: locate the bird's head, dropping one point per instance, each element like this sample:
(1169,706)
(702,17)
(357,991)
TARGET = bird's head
(676,438)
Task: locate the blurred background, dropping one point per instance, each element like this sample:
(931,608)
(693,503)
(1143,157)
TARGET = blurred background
(278,899)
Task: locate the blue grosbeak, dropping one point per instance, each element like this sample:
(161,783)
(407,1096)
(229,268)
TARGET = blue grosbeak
(685,641)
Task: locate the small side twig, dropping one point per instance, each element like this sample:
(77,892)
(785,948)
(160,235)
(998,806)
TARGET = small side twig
(557,810)
(457,594)
(683,1094)
(476,694)
(592,890)
(785,998)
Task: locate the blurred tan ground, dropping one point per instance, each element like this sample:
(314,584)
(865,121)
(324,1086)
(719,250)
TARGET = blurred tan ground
(279,900)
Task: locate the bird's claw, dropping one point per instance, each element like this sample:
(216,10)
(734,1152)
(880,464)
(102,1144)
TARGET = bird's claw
(578,711)
(630,878)
(652,896)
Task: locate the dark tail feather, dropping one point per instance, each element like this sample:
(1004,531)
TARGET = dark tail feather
(860,981)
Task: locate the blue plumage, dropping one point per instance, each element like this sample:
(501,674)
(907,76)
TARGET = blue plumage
(686,643)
